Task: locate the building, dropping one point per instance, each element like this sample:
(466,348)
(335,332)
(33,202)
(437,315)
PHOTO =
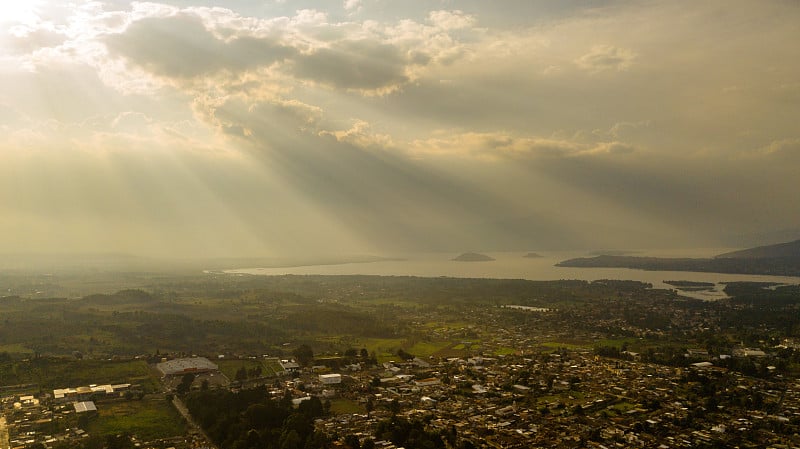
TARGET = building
(330,379)
(179,367)
(84,407)
(289,366)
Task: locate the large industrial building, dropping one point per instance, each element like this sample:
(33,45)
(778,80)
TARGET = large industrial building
(179,367)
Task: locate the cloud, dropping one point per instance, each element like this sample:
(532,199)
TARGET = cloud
(498,146)
(400,123)
(181,46)
(783,148)
(363,64)
(606,57)
(451,20)
(29,39)
(352,5)
(360,135)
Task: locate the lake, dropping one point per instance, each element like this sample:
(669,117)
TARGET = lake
(512,265)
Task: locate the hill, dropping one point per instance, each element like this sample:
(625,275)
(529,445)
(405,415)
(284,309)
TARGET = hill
(473,257)
(789,249)
(776,260)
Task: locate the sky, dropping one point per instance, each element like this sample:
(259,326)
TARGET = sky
(203,128)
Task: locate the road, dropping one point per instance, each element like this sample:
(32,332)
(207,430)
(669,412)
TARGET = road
(4,442)
(181,408)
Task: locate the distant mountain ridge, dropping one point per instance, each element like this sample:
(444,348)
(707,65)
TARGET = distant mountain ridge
(777,260)
(789,249)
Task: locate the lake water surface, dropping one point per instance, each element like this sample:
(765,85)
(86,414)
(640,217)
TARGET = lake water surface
(512,265)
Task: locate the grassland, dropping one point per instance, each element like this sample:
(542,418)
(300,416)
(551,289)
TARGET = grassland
(570,346)
(16,348)
(385,349)
(345,406)
(428,348)
(59,373)
(149,419)
(505,351)
(229,367)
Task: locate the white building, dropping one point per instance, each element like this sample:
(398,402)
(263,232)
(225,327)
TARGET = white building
(330,379)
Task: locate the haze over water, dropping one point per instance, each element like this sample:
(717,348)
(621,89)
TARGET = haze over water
(512,265)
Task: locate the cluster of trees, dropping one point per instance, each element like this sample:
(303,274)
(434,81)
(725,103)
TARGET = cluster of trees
(243,373)
(414,434)
(248,419)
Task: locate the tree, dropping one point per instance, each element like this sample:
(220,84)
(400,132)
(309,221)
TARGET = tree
(304,355)
(241,374)
(186,384)
(312,408)
(394,407)
(290,440)
(352,441)
(255,372)
(404,355)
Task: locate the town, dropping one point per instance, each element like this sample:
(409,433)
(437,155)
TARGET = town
(601,365)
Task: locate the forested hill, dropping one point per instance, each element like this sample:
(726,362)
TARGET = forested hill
(778,260)
(781,250)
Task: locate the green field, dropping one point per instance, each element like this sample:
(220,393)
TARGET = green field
(16,348)
(269,367)
(505,351)
(569,346)
(630,341)
(272,367)
(385,349)
(427,348)
(342,406)
(229,367)
(59,373)
(148,419)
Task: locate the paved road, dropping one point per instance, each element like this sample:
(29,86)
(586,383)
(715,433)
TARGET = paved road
(4,441)
(176,401)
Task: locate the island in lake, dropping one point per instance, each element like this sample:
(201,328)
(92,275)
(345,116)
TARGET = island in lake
(777,260)
(473,257)
(533,256)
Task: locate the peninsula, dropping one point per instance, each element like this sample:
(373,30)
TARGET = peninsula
(777,260)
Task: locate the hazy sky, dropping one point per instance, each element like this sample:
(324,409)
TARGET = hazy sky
(281,127)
